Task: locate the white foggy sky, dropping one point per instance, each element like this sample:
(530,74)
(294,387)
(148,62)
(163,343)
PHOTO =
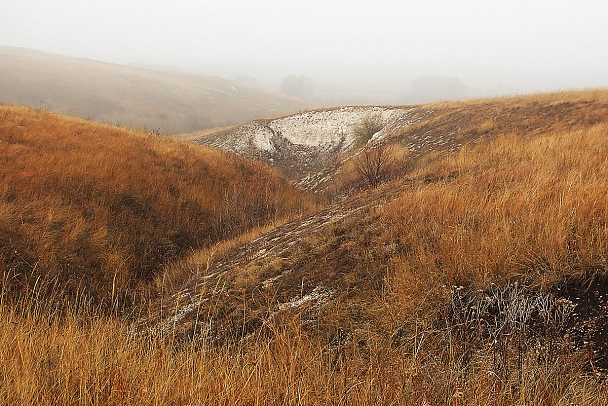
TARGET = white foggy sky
(292,35)
(466,32)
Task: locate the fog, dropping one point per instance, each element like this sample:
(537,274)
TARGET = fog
(351,51)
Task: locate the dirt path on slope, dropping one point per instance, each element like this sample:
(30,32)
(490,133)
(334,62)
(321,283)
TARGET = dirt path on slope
(259,270)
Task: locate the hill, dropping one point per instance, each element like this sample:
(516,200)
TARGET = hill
(312,147)
(488,260)
(95,209)
(476,275)
(171,102)
(490,132)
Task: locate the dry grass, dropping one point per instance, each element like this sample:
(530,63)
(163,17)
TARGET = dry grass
(168,101)
(102,209)
(512,206)
(198,262)
(527,206)
(84,359)
(457,123)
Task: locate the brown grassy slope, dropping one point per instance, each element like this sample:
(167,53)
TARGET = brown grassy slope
(103,208)
(170,101)
(447,126)
(520,203)
(384,336)
(515,206)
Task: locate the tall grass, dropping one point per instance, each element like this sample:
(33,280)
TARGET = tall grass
(102,208)
(97,360)
(509,207)
(401,328)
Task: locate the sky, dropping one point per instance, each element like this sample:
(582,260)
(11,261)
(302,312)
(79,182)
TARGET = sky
(272,38)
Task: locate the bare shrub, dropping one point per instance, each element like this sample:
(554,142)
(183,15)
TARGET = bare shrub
(375,164)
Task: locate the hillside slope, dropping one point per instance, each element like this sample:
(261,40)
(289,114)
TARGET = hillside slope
(516,222)
(312,147)
(96,208)
(305,143)
(167,101)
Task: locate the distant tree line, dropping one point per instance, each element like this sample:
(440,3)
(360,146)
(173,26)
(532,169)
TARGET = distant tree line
(297,86)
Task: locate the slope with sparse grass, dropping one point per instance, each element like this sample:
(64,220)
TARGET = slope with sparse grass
(307,144)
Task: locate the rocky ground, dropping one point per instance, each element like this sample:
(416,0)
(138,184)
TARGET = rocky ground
(306,145)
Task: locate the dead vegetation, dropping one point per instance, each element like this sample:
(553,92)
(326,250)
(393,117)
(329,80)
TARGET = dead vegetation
(457,283)
(99,209)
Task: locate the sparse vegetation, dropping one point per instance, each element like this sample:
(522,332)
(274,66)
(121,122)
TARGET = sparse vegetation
(366,128)
(373,165)
(454,286)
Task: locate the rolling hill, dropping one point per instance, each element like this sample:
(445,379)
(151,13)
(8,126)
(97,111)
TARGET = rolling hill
(475,275)
(170,102)
(311,147)
(96,209)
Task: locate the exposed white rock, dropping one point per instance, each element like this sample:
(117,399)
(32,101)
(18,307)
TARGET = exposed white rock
(308,140)
(318,297)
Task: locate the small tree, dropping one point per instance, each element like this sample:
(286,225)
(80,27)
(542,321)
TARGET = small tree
(375,164)
(366,128)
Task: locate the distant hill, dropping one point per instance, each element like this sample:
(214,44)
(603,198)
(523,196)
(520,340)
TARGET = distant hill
(167,101)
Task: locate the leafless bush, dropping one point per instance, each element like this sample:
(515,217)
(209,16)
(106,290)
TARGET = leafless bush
(375,164)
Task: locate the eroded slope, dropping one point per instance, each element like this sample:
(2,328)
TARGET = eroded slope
(304,144)
(509,222)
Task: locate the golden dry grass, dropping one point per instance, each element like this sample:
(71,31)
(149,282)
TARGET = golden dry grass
(526,206)
(91,360)
(512,206)
(101,209)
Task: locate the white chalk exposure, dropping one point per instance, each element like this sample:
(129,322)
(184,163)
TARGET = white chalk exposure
(311,128)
